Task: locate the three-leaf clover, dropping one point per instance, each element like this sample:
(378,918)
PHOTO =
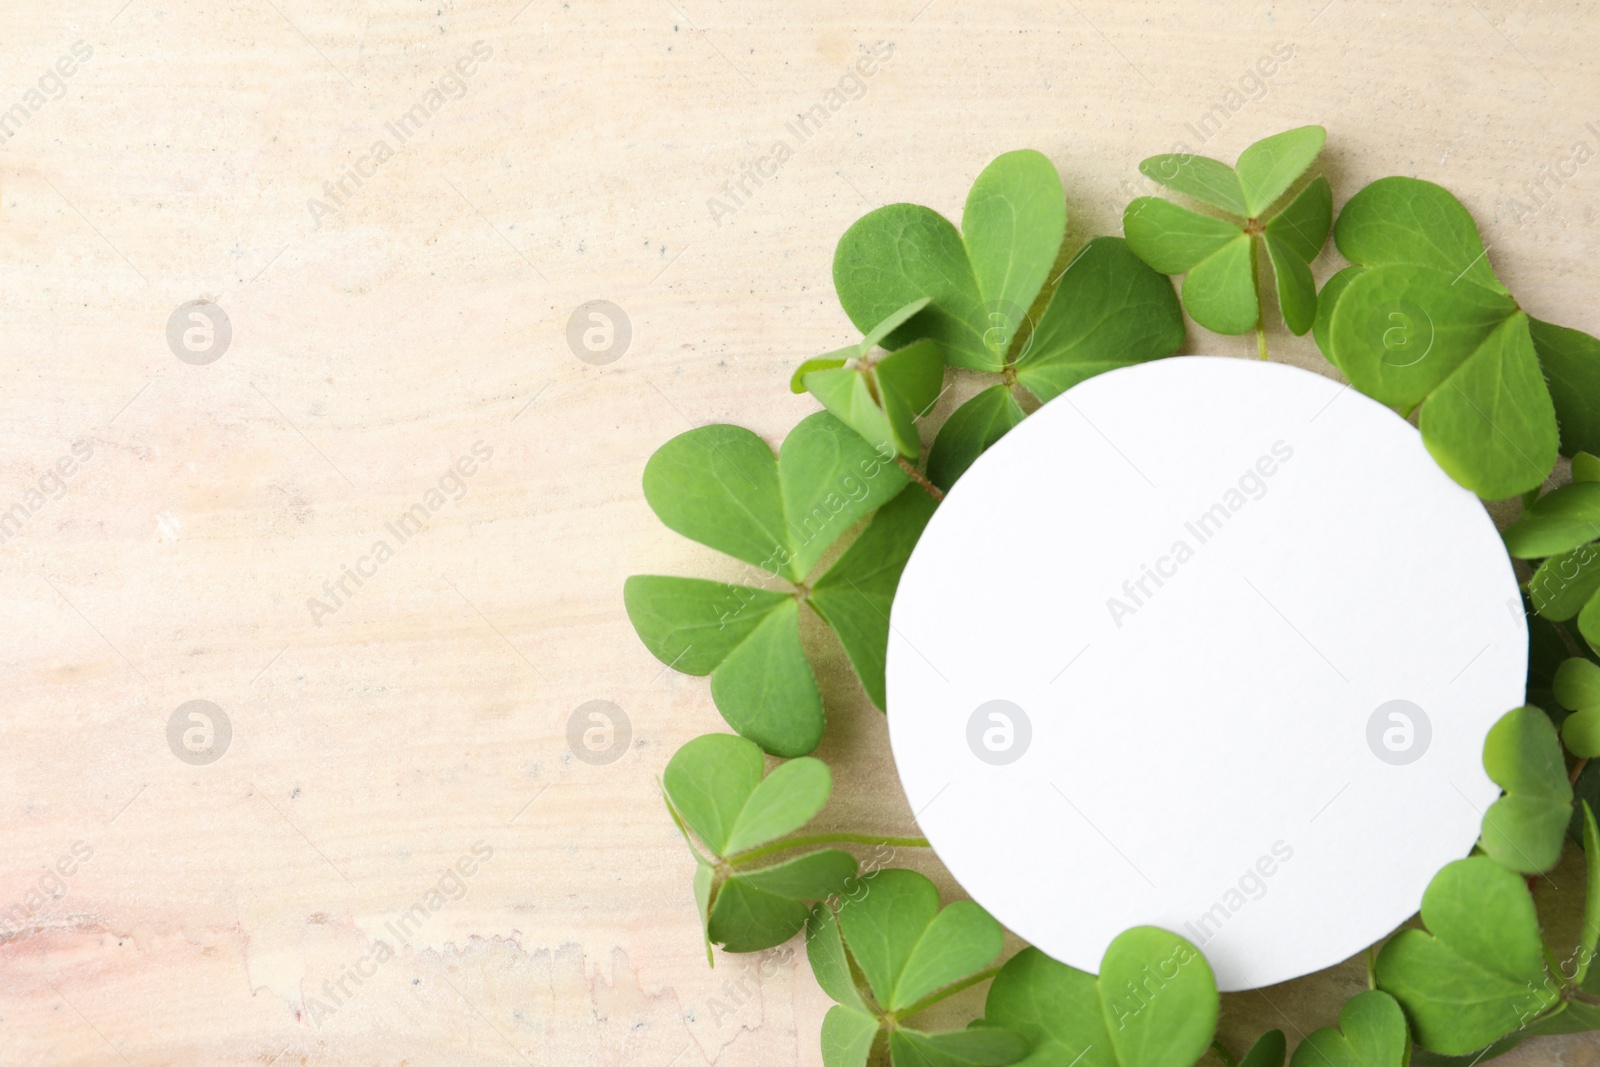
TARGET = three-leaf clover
(714,787)
(1577,688)
(1422,319)
(1478,972)
(1562,528)
(889,953)
(1371,1033)
(1154,1004)
(879,398)
(1524,829)
(1220,257)
(993,305)
(721,486)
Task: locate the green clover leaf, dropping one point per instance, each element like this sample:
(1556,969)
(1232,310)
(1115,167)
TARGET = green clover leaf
(1108,310)
(1154,1004)
(1270,1050)
(1371,1033)
(1523,830)
(1220,256)
(981,281)
(1577,688)
(1478,971)
(1557,522)
(879,398)
(1562,526)
(1421,319)
(969,431)
(890,952)
(714,786)
(721,486)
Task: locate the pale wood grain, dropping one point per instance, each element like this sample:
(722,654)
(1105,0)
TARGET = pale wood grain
(370,351)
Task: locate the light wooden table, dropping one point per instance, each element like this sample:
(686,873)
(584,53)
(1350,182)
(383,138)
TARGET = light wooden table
(383,330)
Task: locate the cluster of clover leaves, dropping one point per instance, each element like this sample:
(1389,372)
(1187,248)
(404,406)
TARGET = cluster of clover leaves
(1417,321)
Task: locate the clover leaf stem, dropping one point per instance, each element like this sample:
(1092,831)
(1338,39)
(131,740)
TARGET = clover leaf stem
(916,476)
(1222,1053)
(1261,303)
(750,855)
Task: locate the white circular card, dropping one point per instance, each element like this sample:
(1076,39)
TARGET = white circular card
(1211,645)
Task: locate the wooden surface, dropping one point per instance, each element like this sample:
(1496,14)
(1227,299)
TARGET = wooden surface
(378,338)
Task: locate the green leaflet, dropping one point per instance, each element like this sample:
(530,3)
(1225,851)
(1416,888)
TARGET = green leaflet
(1267,168)
(880,399)
(980,281)
(1523,830)
(1571,361)
(714,786)
(906,946)
(969,432)
(1478,973)
(1270,1050)
(1557,522)
(1220,256)
(1123,1018)
(890,950)
(1427,322)
(1577,688)
(721,486)
(855,594)
(1371,1033)
(1109,310)
(748,640)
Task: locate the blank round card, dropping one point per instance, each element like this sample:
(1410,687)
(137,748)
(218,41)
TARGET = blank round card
(1211,645)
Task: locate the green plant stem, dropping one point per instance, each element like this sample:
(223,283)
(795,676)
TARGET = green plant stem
(1372,966)
(751,854)
(1222,1053)
(1261,302)
(916,476)
(947,991)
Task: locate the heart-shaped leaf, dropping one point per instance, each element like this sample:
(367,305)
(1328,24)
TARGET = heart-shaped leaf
(1523,830)
(1294,237)
(1267,168)
(1563,584)
(1571,361)
(1210,181)
(748,640)
(758,908)
(906,946)
(714,787)
(855,594)
(1219,290)
(721,486)
(1371,1033)
(1154,1005)
(716,784)
(1557,522)
(978,1047)
(969,431)
(1478,972)
(980,281)
(1219,256)
(1406,220)
(1109,309)
(1577,688)
(1585,467)
(1427,322)
(908,958)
